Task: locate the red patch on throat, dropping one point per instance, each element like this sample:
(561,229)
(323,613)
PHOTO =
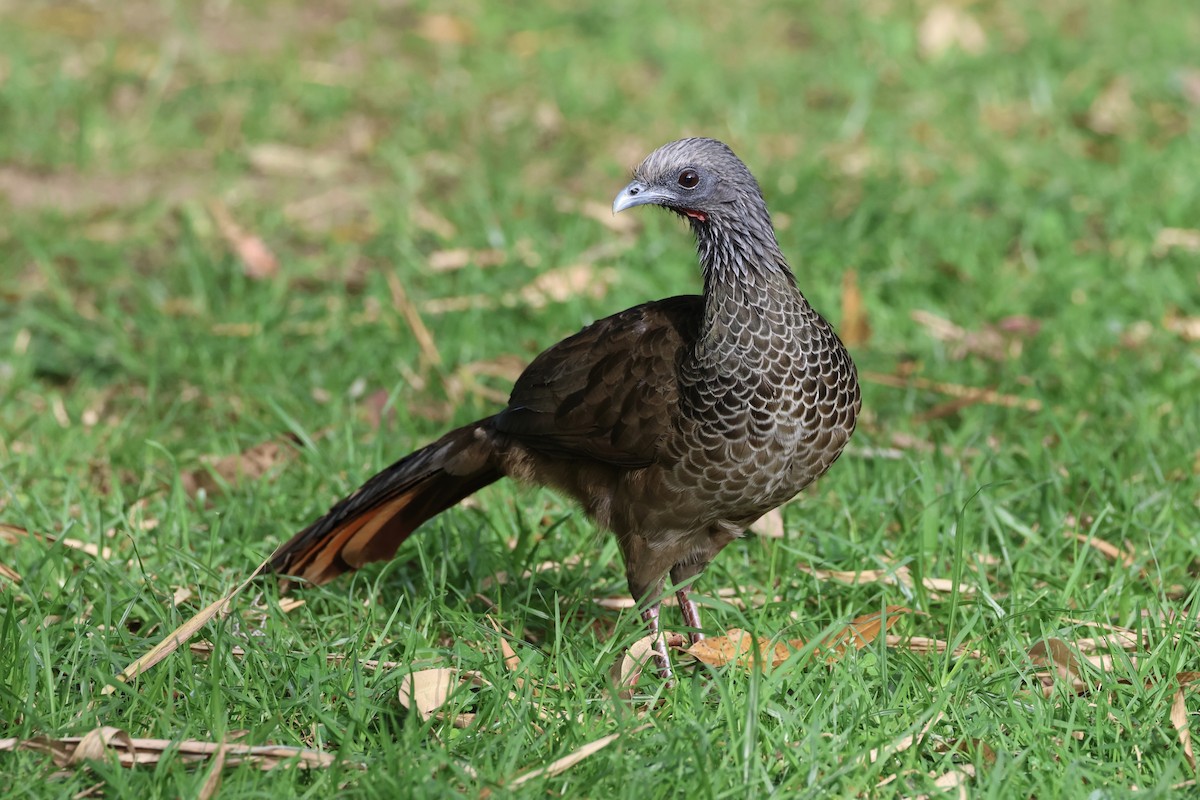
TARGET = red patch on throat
(698,215)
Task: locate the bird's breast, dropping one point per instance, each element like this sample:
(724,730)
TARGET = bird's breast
(762,417)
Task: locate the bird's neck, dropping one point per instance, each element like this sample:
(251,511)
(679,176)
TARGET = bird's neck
(748,287)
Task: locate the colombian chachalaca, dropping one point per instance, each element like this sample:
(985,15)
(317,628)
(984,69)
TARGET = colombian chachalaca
(675,424)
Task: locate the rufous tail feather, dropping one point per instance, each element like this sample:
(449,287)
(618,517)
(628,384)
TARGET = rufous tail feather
(372,523)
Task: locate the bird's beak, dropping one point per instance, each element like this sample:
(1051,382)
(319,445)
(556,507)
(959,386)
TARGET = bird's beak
(639,194)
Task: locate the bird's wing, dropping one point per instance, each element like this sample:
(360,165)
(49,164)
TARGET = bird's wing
(609,392)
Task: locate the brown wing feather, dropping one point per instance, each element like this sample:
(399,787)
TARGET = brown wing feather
(610,391)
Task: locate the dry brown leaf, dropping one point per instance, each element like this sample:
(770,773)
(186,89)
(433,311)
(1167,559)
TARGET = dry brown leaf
(855,329)
(276,158)
(206,648)
(739,647)
(859,577)
(770,525)
(445,29)
(902,441)
(1179,718)
(626,671)
(860,632)
(1048,680)
(560,285)
(904,742)
(289,604)
(100,742)
(448,260)
(924,644)
(1168,239)
(563,764)
(893,576)
(93,550)
(969,746)
(376,411)
(1136,334)
(1189,85)
(341,213)
(237,330)
(621,602)
(1112,112)
(370,664)
(460,384)
(853,158)
(95,790)
(955,780)
(12,534)
(250,465)
(1179,715)
(987,396)
(946,27)
(400,300)
(212,781)
(432,222)
(1019,325)
(997,342)
(945,586)
(1057,654)
(1106,662)
(511,662)
(9,574)
(506,367)
(1107,548)
(258,262)
(427,690)
(459,257)
(1124,638)
(1188,328)
(172,641)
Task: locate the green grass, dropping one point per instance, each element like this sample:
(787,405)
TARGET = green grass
(975,187)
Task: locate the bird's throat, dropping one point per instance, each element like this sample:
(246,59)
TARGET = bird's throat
(747,284)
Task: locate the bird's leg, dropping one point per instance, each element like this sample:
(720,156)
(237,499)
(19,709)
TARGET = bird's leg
(682,575)
(644,570)
(690,612)
(650,617)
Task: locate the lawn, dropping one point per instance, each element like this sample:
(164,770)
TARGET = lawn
(252,252)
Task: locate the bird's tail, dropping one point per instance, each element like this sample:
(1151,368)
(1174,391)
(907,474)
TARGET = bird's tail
(370,524)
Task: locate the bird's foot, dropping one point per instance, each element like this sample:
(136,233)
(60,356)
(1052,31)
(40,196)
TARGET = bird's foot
(662,660)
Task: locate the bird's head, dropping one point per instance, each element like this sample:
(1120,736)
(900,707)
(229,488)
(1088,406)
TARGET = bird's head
(697,178)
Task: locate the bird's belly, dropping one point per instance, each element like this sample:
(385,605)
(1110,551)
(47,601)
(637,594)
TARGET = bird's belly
(742,473)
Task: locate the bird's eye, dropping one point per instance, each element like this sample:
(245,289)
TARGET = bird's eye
(689,178)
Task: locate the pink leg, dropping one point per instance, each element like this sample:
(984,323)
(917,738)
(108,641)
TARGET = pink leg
(650,617)
(690,611)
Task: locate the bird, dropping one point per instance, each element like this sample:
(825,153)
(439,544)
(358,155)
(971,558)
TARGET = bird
(675,424)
